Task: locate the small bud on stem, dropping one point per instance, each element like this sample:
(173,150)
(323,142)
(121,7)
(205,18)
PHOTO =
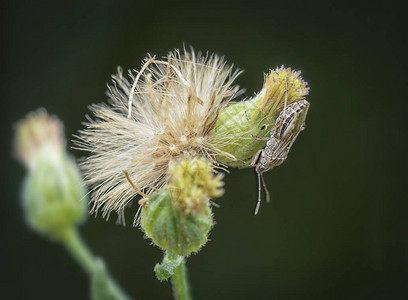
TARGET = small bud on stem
(178,218)
(52,189)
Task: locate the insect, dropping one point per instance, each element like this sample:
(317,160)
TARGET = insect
(288,125)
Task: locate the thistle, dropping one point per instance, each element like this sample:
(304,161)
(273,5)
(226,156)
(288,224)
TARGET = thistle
(165,135)
(175,105)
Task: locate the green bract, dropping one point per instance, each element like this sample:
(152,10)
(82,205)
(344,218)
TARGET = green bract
(52,196)
(172,230)
(255,116)
(237,119)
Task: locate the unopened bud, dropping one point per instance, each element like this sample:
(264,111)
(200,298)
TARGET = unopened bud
(53,191)
(178,218)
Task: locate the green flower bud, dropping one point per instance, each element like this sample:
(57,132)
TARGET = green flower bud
(53,190)
(52,196)
(255,116)
(171,229)
(178,218)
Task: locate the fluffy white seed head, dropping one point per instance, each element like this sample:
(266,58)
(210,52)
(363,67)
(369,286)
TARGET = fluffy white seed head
(175,104)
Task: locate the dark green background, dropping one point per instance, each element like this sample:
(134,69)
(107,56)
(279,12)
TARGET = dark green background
(337,224)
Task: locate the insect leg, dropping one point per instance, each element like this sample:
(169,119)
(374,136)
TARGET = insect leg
(255,159)
(245,164)
(268,199)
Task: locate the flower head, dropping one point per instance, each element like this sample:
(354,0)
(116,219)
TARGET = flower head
(178,218)
(174,106)
(53,189)
(39,135)
(239,121)
(192,184)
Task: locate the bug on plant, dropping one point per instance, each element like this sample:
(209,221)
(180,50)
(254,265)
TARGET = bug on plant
(288,125)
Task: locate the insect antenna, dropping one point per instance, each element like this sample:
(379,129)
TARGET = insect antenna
(259,195)
(258,204)
(268,199)
(215,204)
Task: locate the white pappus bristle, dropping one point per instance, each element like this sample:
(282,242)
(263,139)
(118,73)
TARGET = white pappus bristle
(175,103)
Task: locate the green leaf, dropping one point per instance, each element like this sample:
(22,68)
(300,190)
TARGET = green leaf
(166,269)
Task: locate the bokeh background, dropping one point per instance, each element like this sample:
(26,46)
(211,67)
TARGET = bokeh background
(337,223)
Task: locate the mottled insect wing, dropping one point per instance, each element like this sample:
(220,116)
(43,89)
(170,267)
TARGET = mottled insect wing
(283,134)
(302,113)
(293,122)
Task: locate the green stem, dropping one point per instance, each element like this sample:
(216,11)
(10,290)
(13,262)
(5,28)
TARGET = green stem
(181,289)
(77,248)
(94,267)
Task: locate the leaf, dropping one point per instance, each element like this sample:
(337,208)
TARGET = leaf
(166,269)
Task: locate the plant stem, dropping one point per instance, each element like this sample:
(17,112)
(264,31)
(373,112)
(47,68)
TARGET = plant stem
(181,289)
(104,287)
(76,246)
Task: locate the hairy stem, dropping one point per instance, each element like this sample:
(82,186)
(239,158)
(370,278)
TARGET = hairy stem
(181,289)
(103,286)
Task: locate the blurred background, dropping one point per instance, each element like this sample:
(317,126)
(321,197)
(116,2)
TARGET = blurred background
(337,223)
